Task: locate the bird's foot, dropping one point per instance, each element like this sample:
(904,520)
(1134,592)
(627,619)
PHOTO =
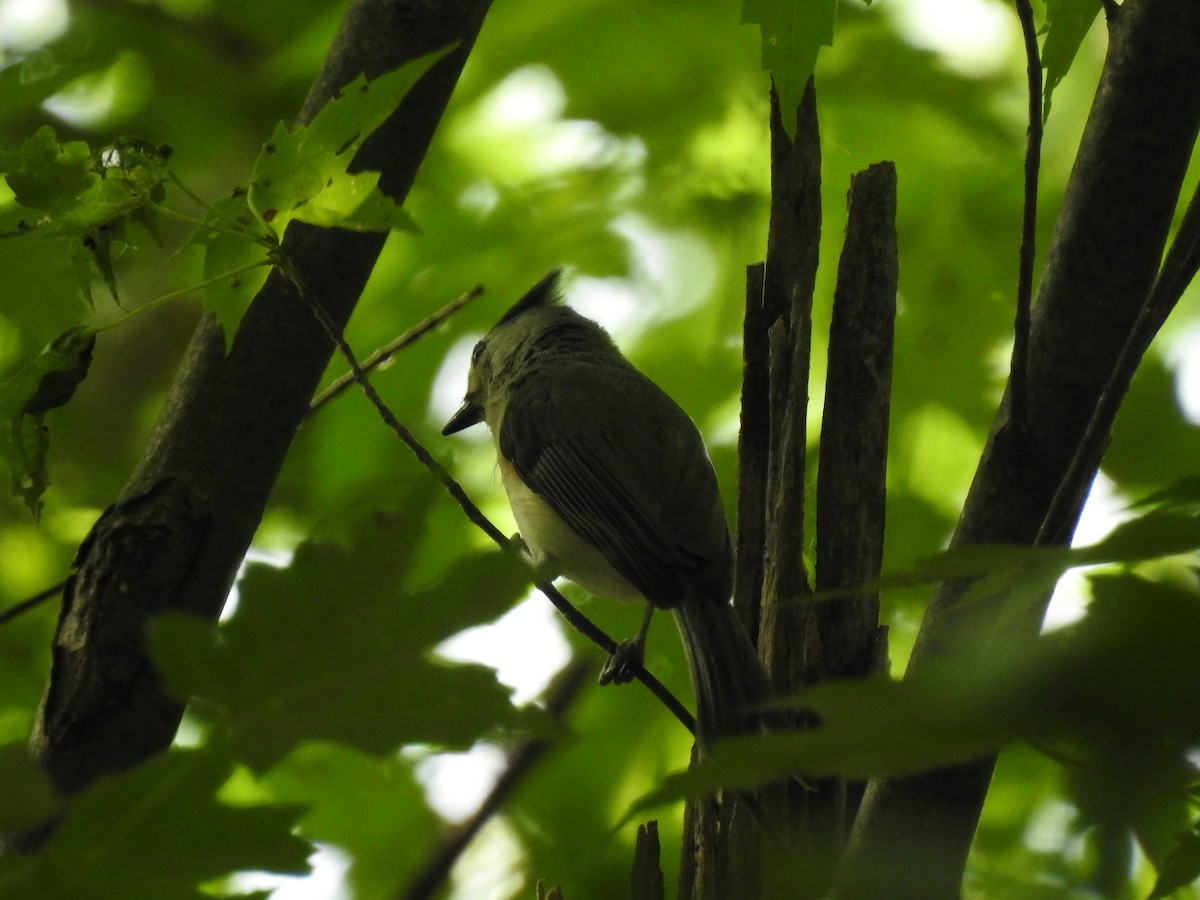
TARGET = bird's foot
(622,667)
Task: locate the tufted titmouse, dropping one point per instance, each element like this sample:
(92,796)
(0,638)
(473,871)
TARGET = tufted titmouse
(610,485)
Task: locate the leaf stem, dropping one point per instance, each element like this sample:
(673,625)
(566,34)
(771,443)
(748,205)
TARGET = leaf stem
(381,356)
(175,295)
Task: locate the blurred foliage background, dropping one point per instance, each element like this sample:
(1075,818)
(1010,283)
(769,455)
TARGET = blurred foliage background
(629,142)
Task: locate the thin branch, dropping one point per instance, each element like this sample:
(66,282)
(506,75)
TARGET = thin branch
(1178,269)
(520,761)
(32,603)
(387,351)
(1019,367)
(574,617)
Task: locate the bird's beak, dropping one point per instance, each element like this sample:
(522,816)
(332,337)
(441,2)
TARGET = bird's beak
(470,413)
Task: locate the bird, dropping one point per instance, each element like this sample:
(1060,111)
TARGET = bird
(611,486)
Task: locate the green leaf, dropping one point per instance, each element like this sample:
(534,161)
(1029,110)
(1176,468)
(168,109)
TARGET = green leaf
(296,169)
(1182,493)
(1092,695)
(236,259)
(158,831)
(29,799)
(83,197)
(277,670)
(49,176)
(793,31)
(1067,23)
(46,383)
(869,727)
(1181,866)
(1152,536)
(79,191)
(370,807)
(354,202)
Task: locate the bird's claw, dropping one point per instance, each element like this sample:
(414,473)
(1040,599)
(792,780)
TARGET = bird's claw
(624,664)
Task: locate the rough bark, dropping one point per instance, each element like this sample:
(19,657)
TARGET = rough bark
(722,852)
(845,639)
(913,834)
(851,478)
(176,535)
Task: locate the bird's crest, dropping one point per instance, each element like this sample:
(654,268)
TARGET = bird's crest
(544,293)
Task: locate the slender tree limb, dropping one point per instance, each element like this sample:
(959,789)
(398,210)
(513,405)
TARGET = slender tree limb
(384,354)
(179,530)
(912,835)
(33,602)
(1019,367)
(521,760)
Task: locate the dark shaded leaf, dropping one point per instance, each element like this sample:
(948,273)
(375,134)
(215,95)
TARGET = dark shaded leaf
(29,798)
(47,382)
(1180,868)
(278,670)
(158,831)
(370,807)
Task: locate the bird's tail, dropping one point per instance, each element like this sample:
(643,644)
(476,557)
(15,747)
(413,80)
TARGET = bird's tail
(727,675)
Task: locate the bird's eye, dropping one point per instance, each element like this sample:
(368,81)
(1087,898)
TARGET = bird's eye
(477,352)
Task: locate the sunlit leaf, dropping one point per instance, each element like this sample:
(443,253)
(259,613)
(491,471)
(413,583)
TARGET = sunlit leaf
(296,169)
(793,31)
(83,197)
(236,259)
(1067,23)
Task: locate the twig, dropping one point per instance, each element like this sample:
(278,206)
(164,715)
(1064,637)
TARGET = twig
(1019,367)
(563,692)
(33,602)
(387,351)
(574,617)
(1178,269)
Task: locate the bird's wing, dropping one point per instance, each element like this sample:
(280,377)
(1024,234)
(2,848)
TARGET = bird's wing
(599,459)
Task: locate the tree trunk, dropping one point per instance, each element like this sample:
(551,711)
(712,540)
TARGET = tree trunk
(175,537)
